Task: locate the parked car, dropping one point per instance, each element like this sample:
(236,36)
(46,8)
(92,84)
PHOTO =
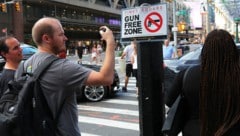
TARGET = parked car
(2,63)
(97,93)
(238,44)
(27,50)
(189,59)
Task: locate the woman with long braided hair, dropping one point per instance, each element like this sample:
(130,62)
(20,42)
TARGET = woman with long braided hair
(220,86)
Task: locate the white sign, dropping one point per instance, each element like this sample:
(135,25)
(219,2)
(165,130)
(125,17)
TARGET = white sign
(174,29)
(144,22)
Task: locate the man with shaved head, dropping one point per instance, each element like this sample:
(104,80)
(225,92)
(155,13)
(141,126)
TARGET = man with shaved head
(63,76)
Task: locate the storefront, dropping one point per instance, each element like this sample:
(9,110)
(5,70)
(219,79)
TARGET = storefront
(79,23)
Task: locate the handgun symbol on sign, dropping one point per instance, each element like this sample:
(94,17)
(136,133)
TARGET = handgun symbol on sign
(150,23)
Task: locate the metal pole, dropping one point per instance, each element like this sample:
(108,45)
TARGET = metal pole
(207,18)
(151,95)
(174,24)
(237,40)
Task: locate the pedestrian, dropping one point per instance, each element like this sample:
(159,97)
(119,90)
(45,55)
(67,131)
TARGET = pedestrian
(135,65)
(127,52)
(80,51)
(99,50)
(189,86)
(220,86)
(11,52)
(168,50)
(94,54)
(61,79)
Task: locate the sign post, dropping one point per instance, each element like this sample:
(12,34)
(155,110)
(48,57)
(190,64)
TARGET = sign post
(148,25)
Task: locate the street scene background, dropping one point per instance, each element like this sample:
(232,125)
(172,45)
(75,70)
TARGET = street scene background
(117,116)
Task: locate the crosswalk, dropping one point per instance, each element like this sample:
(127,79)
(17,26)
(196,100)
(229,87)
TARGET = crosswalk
(118,116)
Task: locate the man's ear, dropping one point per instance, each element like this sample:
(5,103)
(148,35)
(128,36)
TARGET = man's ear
(46,38)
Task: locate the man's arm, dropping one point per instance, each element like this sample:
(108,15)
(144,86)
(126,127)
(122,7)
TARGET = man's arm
(123,54)
(175,55)
(174,52)
(132,58)
(106,74)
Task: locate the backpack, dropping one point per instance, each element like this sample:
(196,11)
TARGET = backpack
(23,108)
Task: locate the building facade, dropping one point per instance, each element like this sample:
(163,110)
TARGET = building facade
(81,19)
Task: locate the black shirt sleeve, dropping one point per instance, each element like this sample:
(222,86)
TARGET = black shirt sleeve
(176,88)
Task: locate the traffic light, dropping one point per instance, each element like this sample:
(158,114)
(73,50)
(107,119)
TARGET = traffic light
(17,7)
(181,26)
(3,7)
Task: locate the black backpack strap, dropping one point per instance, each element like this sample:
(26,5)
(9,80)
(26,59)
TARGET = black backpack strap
(43,102)
(184,78)
(42,107)
(48,61)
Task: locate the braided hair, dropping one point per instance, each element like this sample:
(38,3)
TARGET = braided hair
(220,84)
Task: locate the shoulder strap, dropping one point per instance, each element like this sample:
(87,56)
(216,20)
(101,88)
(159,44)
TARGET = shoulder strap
(44,66)
(37,73)
(184,77)
(20,71)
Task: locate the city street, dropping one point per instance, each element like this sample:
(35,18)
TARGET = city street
(172,36)
(118,116)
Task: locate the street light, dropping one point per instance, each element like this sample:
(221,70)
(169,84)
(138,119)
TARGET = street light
(18,6)
(3,7)
(181,26)
(174,28)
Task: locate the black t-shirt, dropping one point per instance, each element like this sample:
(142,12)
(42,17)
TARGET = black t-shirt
(80,49)
(6,76)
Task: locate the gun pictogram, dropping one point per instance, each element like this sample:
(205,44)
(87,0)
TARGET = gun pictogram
(150,23)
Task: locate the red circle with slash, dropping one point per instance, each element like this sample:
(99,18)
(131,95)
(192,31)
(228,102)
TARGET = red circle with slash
(149,21)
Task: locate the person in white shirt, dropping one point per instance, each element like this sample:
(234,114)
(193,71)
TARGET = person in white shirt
(135,65)
(127,52)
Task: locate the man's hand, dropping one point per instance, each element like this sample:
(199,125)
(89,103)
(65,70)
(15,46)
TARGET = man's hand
(106,73)
(107,35)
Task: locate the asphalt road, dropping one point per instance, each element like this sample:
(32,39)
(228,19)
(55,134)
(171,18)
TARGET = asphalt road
(117,116)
